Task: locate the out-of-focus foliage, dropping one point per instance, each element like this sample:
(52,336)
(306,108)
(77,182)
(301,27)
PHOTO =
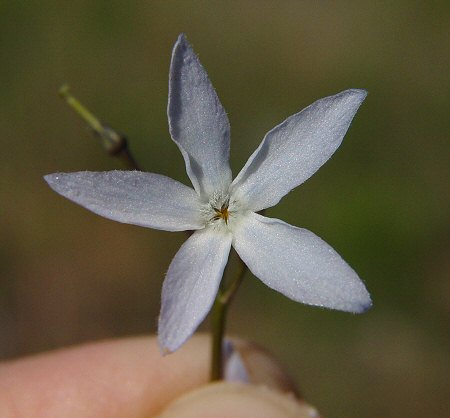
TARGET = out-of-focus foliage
(68,276)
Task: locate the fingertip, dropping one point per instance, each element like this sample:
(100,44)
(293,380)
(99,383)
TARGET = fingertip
(224,399)
(260,367)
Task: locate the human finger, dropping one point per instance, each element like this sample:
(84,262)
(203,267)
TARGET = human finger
(125,378)
(237,400)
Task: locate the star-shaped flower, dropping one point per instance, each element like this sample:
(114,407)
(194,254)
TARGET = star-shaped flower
(223,212)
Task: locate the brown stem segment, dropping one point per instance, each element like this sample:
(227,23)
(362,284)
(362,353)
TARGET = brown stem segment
(114,143)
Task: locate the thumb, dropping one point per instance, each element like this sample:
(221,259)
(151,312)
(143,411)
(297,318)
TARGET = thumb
(237,400)
(267,393)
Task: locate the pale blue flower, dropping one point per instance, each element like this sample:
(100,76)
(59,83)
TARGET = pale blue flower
(222,212)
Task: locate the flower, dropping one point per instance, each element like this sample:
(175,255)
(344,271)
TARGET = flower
(224,213)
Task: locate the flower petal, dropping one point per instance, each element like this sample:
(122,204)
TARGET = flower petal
(294,150)
(132,197)
(191,285)
(197,121)
(298,264)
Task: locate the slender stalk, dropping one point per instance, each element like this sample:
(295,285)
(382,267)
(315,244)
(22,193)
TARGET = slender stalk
(114,143)
(225,295)
(231,290)
(218,331)
(223,299)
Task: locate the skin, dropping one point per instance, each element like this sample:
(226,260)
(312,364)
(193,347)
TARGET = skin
(129,378)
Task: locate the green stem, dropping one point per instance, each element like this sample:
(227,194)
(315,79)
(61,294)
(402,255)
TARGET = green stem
(114,143)
(225,295)
(219,311)
(218,331)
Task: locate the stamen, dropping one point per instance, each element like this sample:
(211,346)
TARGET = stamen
(222,213)
(218,208)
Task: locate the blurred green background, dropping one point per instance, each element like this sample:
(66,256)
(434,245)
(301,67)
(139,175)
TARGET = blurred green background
(67,275)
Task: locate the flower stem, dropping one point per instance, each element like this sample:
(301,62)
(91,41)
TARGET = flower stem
(114,143)
(218,331)
(223,299)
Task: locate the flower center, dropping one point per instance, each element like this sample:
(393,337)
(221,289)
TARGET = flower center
(220,209)
(222,212)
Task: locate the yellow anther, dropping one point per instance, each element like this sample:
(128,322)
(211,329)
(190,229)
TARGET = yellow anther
(221,213)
